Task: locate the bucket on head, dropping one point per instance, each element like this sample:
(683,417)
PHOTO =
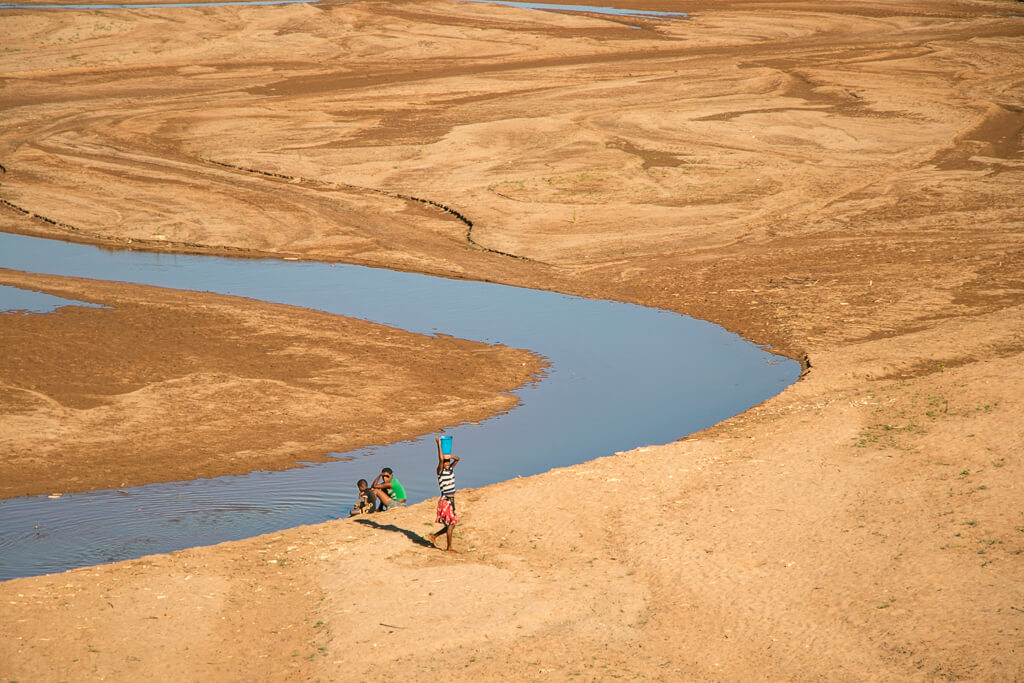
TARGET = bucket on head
(446,445)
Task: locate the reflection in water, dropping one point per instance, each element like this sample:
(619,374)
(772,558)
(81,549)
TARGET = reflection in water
(622,376)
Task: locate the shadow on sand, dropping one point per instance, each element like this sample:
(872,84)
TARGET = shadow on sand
(408,533)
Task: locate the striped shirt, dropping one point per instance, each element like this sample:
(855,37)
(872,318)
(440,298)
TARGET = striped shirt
(446,482)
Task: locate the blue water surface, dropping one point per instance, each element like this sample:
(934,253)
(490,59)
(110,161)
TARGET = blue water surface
(25,301)
(621,376)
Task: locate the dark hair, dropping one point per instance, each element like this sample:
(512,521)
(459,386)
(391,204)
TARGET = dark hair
(386,469)
(361,481)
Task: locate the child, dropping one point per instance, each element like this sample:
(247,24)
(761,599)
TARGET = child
(366,502)
(446,503)
(387,489)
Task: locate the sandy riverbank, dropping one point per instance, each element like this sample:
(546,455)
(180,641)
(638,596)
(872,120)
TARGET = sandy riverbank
(839,182)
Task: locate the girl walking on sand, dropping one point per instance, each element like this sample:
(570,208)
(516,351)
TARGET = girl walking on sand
(446,503)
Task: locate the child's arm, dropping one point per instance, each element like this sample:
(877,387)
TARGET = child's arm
(441,457)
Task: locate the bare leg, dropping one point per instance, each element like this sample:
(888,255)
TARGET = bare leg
(447,531)
(382,500)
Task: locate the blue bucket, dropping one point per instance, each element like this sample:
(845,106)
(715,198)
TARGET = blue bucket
(446,445)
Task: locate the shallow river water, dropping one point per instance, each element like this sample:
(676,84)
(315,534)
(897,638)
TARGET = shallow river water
(622,376)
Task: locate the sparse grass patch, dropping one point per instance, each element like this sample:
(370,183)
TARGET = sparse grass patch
(886,436)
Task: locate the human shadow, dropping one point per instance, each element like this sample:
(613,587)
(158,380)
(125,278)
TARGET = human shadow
(408,533)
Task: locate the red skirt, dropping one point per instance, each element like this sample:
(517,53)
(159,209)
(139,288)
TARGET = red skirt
(446,511)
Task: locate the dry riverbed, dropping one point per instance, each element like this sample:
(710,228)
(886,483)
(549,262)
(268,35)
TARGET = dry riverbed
(841,182)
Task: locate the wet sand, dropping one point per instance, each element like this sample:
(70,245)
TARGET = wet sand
(840,182)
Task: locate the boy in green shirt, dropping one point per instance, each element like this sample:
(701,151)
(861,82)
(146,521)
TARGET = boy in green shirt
(387,489)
